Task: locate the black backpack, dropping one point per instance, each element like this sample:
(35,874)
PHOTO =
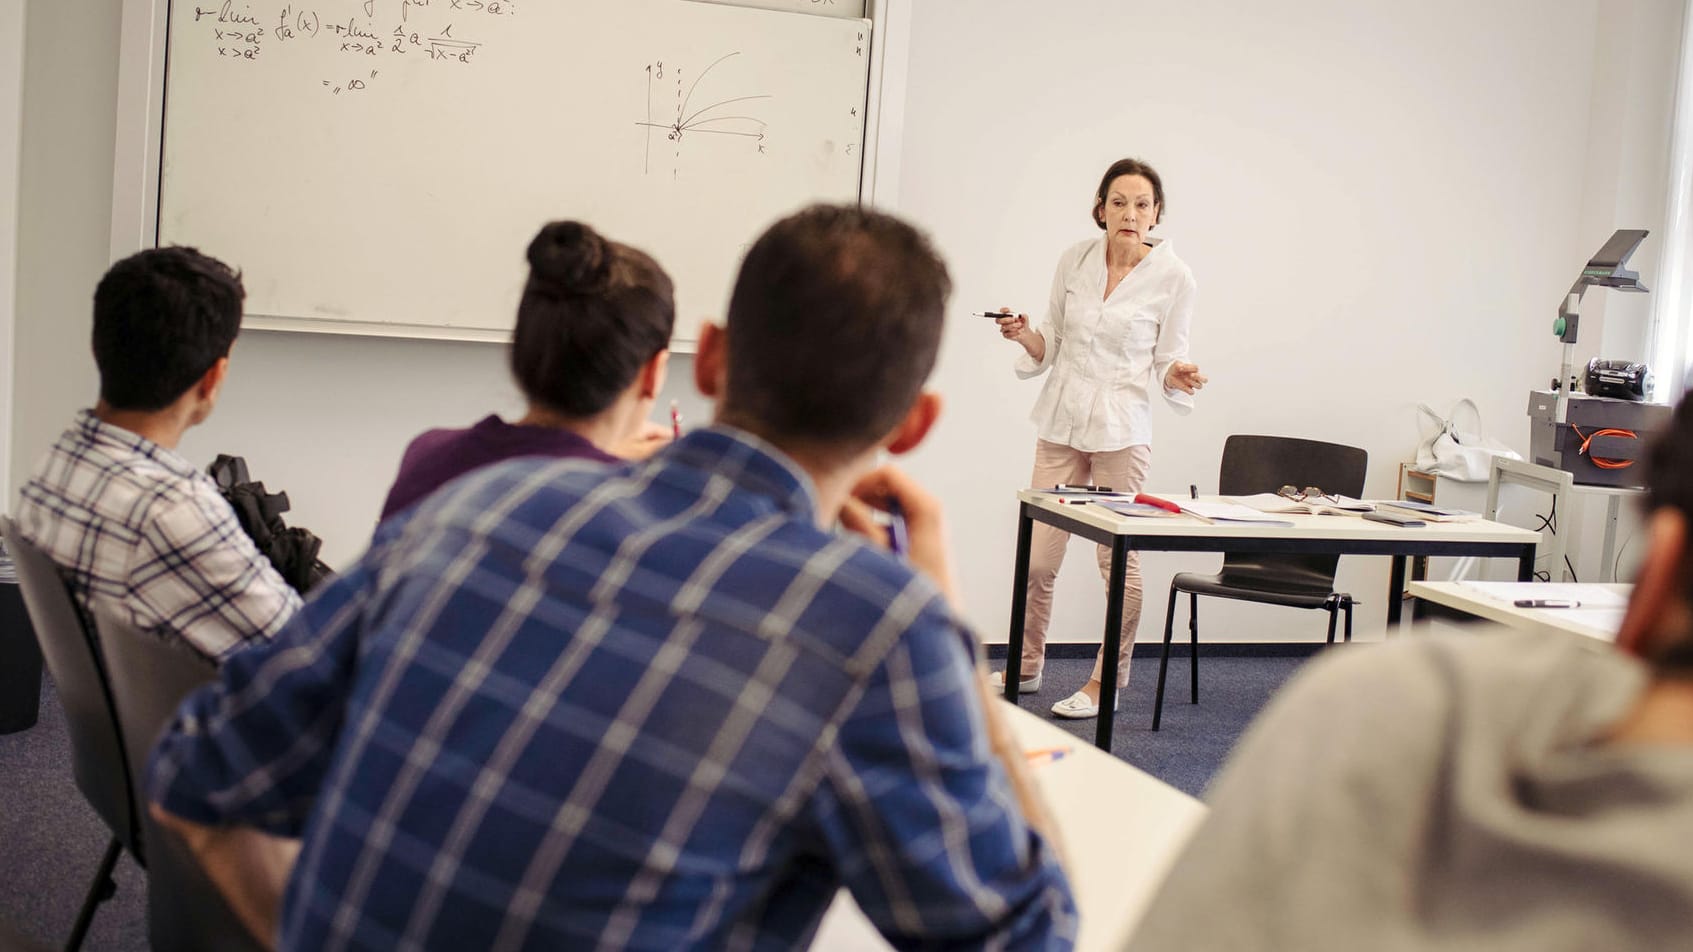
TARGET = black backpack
(293,551)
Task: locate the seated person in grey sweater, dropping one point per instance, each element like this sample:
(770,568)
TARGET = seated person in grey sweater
(1526,790)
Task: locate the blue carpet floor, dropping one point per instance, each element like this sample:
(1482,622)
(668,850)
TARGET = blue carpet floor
(1193,739)
(50,841)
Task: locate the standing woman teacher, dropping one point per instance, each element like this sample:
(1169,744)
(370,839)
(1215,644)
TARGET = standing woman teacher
(1116,331)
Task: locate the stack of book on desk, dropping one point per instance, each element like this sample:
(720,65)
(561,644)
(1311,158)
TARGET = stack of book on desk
(1426,511)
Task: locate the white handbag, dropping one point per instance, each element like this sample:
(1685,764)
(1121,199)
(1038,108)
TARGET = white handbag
(1456,451)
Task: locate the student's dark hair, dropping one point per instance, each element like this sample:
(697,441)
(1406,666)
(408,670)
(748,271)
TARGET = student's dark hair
(833,326)
(162,318)
(593,312)
(1123,167)
(1669,484)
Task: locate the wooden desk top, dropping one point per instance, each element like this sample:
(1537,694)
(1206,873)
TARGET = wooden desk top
(1304,527)
(1598,618)
(1122,828)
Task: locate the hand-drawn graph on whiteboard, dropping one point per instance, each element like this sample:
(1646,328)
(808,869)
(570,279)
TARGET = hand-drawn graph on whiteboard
(379,166)
(697,114)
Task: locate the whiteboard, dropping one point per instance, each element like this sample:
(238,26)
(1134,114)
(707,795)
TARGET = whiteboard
(379,166)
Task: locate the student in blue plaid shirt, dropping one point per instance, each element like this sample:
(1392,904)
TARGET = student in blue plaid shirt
(664,706)
(137,529)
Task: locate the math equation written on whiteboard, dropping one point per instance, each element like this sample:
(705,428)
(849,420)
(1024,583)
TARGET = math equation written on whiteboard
(366,32)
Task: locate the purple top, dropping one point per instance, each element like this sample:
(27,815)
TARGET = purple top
(438,457)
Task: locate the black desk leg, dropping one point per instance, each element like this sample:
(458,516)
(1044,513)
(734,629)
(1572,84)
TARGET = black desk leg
(1113,645)
(1019,604)
(1395,590)
(1525,564)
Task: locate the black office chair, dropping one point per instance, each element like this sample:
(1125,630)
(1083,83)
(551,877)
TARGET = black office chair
(149,679)
(1264,464)
(97,751)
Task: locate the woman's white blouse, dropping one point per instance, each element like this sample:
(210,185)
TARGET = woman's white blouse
(1107,356)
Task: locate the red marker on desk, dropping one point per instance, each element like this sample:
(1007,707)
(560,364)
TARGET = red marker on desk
(1158,501)
(1046,755)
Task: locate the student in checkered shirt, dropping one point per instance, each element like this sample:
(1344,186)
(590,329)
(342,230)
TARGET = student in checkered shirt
(666,706)
(136,529)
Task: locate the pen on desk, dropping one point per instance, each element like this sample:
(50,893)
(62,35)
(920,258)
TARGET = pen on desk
(1546,603)
(675,420)
(1193,490)
(1047,755)
(1169,506)
(897,543)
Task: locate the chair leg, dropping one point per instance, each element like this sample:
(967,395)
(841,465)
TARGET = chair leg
(1193,645)
(102,889)
(1164,660)
(1333,608)
(1346,605)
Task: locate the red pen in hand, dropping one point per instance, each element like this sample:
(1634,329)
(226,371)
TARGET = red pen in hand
(675,420)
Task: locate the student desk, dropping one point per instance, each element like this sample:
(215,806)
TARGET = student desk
(1336,535)
(1122,829)
(1598,617)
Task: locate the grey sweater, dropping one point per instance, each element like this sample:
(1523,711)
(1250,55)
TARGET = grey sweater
(1442,793)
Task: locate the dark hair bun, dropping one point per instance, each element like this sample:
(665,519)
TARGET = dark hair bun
(570,257)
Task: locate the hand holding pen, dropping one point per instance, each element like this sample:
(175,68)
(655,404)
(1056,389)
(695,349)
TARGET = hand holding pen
(920,529)
(1011,326)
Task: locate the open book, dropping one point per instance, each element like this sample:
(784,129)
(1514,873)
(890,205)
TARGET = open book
(1329,506)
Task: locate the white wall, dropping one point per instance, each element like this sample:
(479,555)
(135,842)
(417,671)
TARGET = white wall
(1382,205)
(11,131)
(64,214)
(1638,45)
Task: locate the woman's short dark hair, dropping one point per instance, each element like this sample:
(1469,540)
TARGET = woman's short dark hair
(593,312)
(162,318)
(1120,168)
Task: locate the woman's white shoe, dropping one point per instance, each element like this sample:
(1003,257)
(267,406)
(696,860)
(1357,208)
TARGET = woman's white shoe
(1025,686)
(1078,706)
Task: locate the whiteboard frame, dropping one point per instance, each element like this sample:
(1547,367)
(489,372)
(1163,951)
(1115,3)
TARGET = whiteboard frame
(140,127)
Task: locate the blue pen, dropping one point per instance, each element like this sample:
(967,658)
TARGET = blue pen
(896,527)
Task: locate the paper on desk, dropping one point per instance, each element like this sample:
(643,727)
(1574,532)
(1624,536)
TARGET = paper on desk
(1332,505)
(1128,507)
(1229,512)
(1589,596)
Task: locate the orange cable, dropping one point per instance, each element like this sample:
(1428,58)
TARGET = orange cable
(1602,462)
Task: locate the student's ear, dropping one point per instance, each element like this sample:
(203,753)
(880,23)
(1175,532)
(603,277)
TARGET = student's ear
(211,382)
(1657,597)
(652,375)
(710,360)
(917,423)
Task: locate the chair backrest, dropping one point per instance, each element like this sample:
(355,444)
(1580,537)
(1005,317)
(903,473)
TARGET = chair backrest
(68,648)
(150,676)
(1264,464)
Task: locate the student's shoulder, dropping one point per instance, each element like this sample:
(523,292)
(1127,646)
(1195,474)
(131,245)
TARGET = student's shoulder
(431,442)
(1428,679)
(525,482)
